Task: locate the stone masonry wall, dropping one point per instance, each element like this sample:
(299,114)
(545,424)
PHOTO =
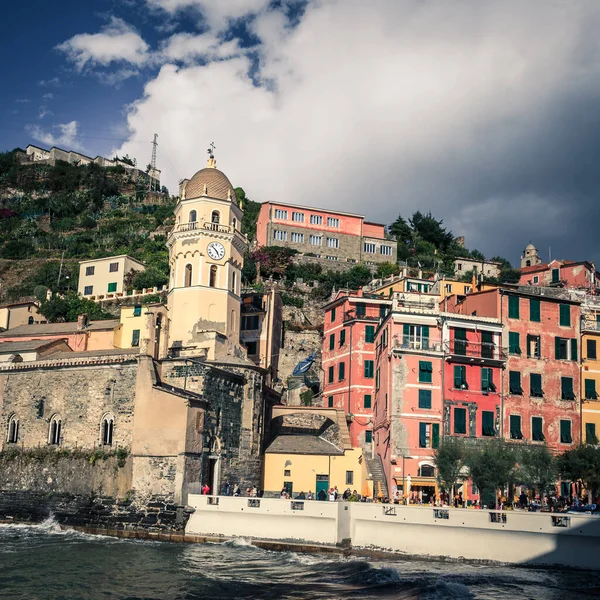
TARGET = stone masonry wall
(81,396)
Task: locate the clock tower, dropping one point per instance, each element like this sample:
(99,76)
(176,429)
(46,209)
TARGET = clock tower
(206,253)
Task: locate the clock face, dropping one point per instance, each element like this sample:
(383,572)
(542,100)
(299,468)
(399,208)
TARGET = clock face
(216,250)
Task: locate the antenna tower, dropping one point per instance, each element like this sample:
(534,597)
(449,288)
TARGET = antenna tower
(152,161)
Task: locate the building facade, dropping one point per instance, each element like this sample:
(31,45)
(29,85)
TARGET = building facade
(487,268)
(324,235)
(408,408)
(564,274)
(541,384)
(15,314)
(107,277)
(348,358)
(590,371)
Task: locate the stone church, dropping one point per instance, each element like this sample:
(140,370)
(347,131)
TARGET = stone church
(187,406)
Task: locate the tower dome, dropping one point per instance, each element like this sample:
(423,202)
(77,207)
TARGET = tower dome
(210,182)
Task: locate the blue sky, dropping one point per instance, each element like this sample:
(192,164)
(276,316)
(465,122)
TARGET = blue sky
(485,113)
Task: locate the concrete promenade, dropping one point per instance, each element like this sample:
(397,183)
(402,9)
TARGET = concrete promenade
(488,535)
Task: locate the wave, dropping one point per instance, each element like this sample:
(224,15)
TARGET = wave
(238,543)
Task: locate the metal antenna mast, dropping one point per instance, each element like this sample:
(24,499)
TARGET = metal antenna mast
(152,161)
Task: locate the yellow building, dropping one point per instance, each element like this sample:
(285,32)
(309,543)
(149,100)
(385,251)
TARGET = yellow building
(106,277)
(310,451)
(206,249)
(14,314)
(590,377)
(130,332)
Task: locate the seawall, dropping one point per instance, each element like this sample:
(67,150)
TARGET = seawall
(479,535)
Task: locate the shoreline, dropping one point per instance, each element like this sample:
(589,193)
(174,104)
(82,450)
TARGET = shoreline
(285,546)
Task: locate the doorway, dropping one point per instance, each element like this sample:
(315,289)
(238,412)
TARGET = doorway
(322,487)
(212,476)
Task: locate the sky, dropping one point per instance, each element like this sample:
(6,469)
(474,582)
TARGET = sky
(485,113)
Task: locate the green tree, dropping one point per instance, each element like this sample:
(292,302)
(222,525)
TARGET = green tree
(582,464)
(429,229)
(449,460)
(68,308)
(491,465)
(386,269)
(274,260)
(537,468)
(150,278)
(251,210)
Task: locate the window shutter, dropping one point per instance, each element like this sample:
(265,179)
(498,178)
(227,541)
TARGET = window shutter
(534,310)
(591,348)
(574,349)
(557,348)
(565,432)
(405,334)
(515,427)
(513,307)
(422,435)
(590,433)
(590,389)
(342,373)
(537,433)
(425,335)
(424,398)
(514,343)
(435,435)
(332,341)
(487,423)
(457,377)
(485,379)
(460,420)
(564,318)
(370,333)
(367,403)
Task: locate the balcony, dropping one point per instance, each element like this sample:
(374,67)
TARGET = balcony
(416,344)
(472,350)
(589,325)
(203,225)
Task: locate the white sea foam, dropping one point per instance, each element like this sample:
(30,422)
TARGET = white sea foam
(238,543)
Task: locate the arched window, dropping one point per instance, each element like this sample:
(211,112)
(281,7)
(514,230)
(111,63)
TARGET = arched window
(30,321)
(528,263)
(188,276)
(215,217)
(106,430)
(192,217)
(426,471)
(234,223)
(16,358)
(213,276)
(232,321)
(55,430)
(13,430)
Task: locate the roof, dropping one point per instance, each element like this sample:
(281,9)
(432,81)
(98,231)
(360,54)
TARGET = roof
(477,260)
(93,353)
(27,346)
(216,182)
(95,260)
(303,207)
(22,302)
(561,263)
(57,328)
(302,444)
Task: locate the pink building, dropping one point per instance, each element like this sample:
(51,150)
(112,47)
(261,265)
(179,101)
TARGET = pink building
(348,358)
(324,235)
(408,413)
(562,273)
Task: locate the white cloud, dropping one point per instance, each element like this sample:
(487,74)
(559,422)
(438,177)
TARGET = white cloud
(117,42)
(54,82)
(380,107)
(43,111)
(216,12)
(64,135)
(187,48)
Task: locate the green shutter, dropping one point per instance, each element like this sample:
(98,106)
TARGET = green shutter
(425,371)
(458,376)
(514,343)
(425,336)
(405,334)
(566,388)
(591,349)
(535,385)
(537,429)
(342,337)
(513,307)
(332,315)
(112,287)
(564,318)
(574,349)
(435,435)
(514,381)
(135,340)
(485,379)
(557,348)
(534,310)
(370,333)
(565,432)
(460,420)
(590,433)
(367,402)
(137,310)
(342,371)
(330,402)
(360,310)
(487,423)
(368,436)
(555,275)
(422,435)
(332,341)
(590,389)
(424,398)
(515,427)
(369,369)
(331,374)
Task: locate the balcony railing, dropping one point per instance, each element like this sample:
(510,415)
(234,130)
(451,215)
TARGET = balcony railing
(475,350)
(587,325)
(415,343)
(206,225)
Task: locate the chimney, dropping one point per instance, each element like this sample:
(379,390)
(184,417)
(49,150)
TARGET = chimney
(360,292)
(82,322)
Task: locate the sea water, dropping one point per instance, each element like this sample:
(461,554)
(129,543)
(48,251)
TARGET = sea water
(50,563)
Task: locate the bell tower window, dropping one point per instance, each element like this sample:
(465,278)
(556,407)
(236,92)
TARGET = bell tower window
(213,276)
(188,276)
(193,216)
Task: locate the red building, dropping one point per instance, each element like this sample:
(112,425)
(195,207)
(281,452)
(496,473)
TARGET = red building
(540,386)
(472,381)
(407,419)
(562,273)
(348,358)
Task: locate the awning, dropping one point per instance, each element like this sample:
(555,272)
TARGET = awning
(420,481)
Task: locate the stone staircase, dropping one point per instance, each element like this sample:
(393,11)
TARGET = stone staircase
(375,469)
